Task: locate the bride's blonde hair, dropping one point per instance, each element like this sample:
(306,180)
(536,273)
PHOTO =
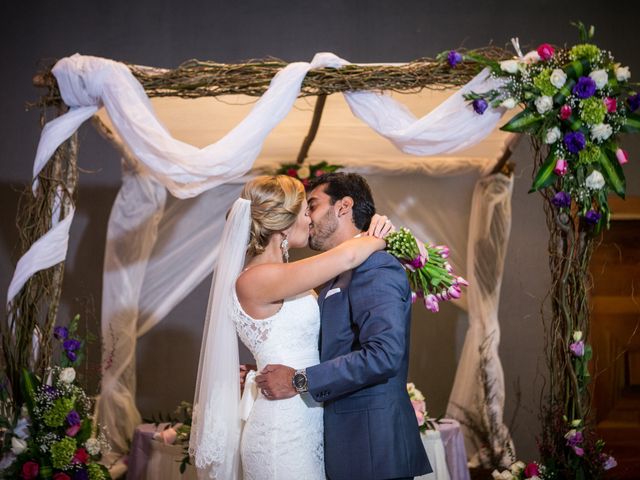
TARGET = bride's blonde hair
(275,204)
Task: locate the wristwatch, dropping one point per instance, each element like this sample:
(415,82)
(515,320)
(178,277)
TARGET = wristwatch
(299,381)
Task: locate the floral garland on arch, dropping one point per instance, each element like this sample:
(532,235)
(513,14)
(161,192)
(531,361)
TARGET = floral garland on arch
(575,102)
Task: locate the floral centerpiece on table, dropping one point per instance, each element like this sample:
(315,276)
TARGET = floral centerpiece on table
(54,436)
(430,275)
(176,430)
(306,171)
(576,101)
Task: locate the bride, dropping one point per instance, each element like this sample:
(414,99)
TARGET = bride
(271,307)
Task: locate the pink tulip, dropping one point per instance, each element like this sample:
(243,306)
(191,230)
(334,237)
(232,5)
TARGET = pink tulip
(448,267)
(565,112)
(561,167)
(431,303)
(462,281)
(414,296)
(73,430)
(622,156)
(444,251)
(611,104)
(454,291)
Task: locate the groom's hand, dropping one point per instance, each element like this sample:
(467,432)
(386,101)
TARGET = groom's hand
(275,382)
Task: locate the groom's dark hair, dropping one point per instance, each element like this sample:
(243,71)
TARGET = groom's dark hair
(340,185)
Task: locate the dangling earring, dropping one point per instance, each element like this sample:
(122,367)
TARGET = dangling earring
(284,246)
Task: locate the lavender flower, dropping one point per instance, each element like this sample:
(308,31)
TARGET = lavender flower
(634,102)
(71,345)
(574,141)
(577,348)
(585,87)
(592,217)
(431,302)
(480,105)
(71,355)
(561,200)
(454,58)
(73,418)
(609,463)
(61,333)
(574,438)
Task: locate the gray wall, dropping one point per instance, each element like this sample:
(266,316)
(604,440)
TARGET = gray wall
(165,33)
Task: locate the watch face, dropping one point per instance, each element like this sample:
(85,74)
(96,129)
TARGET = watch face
(299,380)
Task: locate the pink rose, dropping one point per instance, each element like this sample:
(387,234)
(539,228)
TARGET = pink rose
(545,51)
(531,470)
(611,104)
(73,430)
(561,167)
(30,470)
(565,112)
(622,156)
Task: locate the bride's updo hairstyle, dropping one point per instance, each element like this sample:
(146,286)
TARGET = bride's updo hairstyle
(275,204)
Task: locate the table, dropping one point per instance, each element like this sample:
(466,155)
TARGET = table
(446,452)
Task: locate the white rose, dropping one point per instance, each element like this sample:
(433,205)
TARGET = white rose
(517,467)
(509,66)
(508,103)
(595,181)
(600,77)
(552,136)
(304,172)
(532,57)
(601,131)
(67,375)
(558,78)
(544,104)
(18,446)
(93,446)
(623,74)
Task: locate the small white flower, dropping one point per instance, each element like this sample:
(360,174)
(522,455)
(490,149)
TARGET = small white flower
(623,74)
(517,467)
(509,66)
(18,446)
(67,375)
(544,104)
(601,131)
(552,135)
(577,336)
(508,103)
(304,172)
(558,78)
(531,57)
(595,181)
(600,77)
(93,446)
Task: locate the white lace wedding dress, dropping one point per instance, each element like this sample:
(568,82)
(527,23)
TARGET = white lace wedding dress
(283,439)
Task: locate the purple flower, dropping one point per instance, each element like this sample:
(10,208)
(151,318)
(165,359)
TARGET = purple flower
(592,217)
(73,418)
(61,333)
(579,451)
(49,390)
(577,348)
(418,262)
(634,102)
(561,200)
(574,141)
(71,355)
(454,58)
(431,302)
(609,463)
(574,437)
(585,87)
(71,345)
(81,474)
(480,105)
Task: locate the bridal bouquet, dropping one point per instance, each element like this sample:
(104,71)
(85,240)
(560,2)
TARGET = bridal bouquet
(430,275)
(576,101)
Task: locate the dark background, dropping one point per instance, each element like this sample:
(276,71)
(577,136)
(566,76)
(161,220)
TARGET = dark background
(165,33)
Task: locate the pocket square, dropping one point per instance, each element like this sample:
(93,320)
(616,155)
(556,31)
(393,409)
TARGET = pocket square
(333,291)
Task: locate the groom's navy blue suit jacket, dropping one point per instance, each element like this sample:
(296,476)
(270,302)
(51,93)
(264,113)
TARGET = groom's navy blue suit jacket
(370,426)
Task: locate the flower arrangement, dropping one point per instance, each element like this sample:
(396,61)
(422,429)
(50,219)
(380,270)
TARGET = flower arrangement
(305,172)
(177,430)
(53,435)
(430,275)
(419,406)
(520,471)
(575,101)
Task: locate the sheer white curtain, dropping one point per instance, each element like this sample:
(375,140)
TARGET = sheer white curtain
(154,257)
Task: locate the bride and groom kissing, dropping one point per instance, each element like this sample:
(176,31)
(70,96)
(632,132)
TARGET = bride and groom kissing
(330,398)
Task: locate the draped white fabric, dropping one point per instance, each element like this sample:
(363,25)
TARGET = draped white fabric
(156,255)
(489,229)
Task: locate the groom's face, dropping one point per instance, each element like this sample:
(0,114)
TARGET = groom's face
(324,220)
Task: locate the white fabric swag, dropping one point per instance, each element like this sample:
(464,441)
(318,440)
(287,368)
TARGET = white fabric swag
(156,255)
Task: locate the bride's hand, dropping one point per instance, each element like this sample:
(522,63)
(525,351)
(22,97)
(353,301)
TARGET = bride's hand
(380,226)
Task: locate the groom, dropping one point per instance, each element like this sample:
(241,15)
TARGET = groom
(370,427)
